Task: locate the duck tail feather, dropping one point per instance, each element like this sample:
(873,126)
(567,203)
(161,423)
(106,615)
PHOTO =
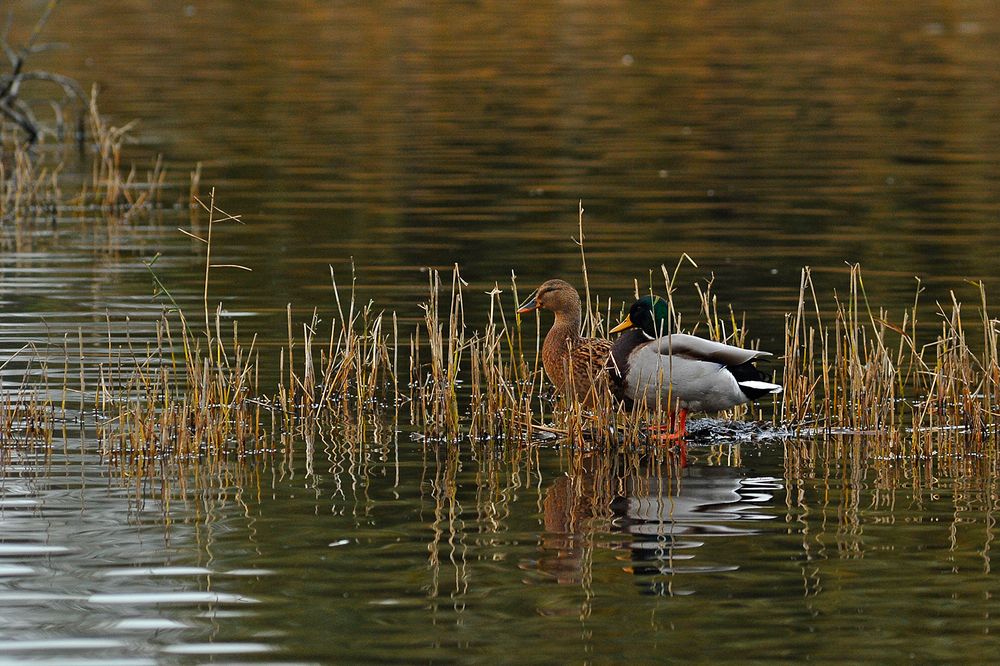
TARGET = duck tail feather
(767,387)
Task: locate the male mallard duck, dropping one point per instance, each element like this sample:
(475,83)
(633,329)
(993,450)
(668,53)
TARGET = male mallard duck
(577,366)
(693,373)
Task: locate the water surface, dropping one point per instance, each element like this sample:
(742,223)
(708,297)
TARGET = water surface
(756,137)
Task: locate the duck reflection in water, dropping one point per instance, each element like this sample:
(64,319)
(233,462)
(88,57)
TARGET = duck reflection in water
(664,517)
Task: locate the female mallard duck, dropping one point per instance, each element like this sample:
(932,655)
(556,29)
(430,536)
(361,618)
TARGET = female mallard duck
(693,373)
(577,366)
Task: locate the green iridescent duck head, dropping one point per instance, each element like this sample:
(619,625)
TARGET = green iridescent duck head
(650,314)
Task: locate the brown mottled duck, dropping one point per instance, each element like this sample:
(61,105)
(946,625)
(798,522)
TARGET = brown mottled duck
(575,365)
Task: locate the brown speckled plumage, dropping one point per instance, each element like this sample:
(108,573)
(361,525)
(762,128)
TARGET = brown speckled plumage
(575,365)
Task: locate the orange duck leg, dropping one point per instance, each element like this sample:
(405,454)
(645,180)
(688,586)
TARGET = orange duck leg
(671,435)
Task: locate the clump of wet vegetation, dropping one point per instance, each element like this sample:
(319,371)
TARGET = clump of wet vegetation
(194,393)
(47,120)
(849,372)
(856,370)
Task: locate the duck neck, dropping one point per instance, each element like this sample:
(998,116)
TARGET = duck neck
(626,343)
(564,334)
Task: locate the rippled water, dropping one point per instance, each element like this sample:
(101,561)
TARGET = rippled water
(756,137)
(395,553)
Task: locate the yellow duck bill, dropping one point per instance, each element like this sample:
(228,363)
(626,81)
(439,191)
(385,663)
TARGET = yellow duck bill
(624,326)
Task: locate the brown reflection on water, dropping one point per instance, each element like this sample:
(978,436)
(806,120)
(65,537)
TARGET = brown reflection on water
(848,505)
(754,136)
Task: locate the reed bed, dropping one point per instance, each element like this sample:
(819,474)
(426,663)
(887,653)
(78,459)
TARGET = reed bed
(857,371)
(112,186)
(46,118)
(848,371)
(189,394)
(37,191)
(903,400)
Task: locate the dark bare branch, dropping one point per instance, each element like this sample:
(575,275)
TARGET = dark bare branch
(21,120)
(12,106)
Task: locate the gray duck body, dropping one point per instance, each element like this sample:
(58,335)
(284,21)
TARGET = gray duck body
(696,374)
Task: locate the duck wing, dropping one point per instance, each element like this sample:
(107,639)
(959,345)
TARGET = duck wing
(591,353)
(588,358)
(700,349)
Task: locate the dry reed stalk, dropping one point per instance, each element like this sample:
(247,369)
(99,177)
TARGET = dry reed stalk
(437,391)
(112,186)
(198,406)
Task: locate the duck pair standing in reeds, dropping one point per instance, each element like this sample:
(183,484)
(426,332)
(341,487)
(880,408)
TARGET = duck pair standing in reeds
(647,364)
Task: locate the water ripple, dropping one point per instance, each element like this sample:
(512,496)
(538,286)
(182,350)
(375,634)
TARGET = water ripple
(162,598)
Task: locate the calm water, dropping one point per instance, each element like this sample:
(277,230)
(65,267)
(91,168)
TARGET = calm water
(756,137)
